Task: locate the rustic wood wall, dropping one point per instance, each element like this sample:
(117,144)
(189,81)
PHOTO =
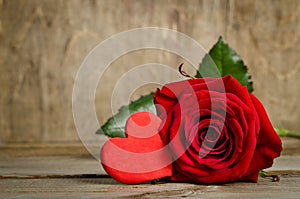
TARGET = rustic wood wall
(42,44)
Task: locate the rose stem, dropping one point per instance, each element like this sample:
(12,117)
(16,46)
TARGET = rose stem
(263,174)
(285,133)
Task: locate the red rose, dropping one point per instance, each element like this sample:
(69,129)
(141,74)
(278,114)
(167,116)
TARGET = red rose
(216,131)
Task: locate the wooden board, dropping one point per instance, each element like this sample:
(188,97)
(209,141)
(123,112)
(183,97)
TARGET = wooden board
(74,159)
(48,175)
(24,167)
(288,187)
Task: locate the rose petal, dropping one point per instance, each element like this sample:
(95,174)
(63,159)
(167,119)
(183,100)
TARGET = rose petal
(268,144)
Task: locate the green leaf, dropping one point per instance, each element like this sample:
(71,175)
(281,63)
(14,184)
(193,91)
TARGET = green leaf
(220,61)
(115,126)
(223,60)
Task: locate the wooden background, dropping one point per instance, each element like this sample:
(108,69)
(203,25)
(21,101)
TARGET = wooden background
(43,43)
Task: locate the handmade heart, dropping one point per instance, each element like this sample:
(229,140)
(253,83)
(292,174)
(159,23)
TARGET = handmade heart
(141,156)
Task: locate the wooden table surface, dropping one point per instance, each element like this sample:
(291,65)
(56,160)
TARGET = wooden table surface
(68,171)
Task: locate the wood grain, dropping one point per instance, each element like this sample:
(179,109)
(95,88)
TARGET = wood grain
(43,43)
(288,187)
(42,172)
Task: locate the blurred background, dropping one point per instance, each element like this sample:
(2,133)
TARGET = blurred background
(44,42)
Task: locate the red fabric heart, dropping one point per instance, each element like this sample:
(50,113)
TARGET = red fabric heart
(141,156)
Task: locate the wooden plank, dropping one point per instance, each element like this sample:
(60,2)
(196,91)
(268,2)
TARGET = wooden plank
(81,176)
(35,150)
(73,159)
(291,147)
(288,187)
(72,165)
(52,165)
(33,160)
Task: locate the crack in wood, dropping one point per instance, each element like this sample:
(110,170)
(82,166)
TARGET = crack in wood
(54,176)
